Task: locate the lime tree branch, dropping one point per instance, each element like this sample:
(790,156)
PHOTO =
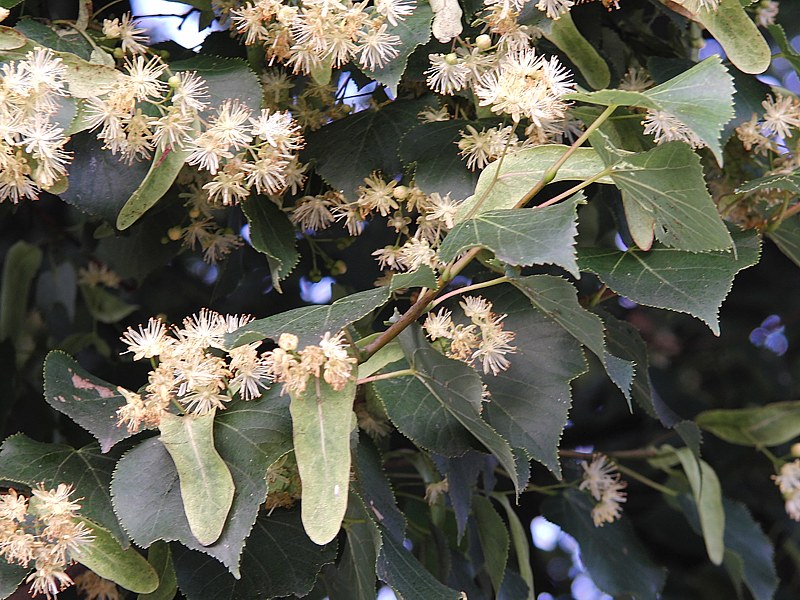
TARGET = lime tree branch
(422,304)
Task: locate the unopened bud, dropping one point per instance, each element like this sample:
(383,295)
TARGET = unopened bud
(451,58)
(400,192)
(174,81)
(118,53)
(483,41)
(339,268)
(795,450)
(175,233)
(288,341)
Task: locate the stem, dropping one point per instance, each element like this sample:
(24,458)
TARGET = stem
(468,288)
(789,212)
(408,317)
(492,183)
(81,31)
(84,13)
(646,480)
(551,173)
(577,188)
(106,7)
(392,375)
(421,305)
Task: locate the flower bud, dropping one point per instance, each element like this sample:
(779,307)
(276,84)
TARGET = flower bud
(483,41)
(288,341)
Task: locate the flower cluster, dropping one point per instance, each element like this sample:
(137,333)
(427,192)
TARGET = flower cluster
(32,155)
(292,367)
(603,482)
(120,113)
(432,214)
(780,121)
(191,369)
(788,481)
(245,151)
(132,39)
(483,341)
(312,34)
(666,127)
(515,81)
(42,530)
(479,148)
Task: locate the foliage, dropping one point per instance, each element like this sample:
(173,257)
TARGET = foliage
(527,214)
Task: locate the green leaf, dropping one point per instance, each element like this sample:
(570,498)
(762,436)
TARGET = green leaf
(25,461)
(206,482)
(502,184)
(414,30)
(279,560)
(400,569)
(613,555)
(462,478)
(666,185)
(558,300)
(521,236)
(109,560)
(374,487)
(701,98)
(369,138)
(708,499)
(782,181)
(681,281)
(433,149)
(249,436)
(309,323)
(84,78)
(391,352)
(10,39)
(563,33)
(494,539)
(226,78)
(100,183)
(419,415)
(521,546)
(140,249)
(20,266)
(354,577)
(738,35)
(787,238)
(272,233)
(322,419)
(91,402)
(784,45)
(745,538)
(164,169)
(423,276)
(58,286)
(625,341)
(104,305)
(531,400)
(11,575)
(160,558)
(770,425)
(444,394)
(67,40)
